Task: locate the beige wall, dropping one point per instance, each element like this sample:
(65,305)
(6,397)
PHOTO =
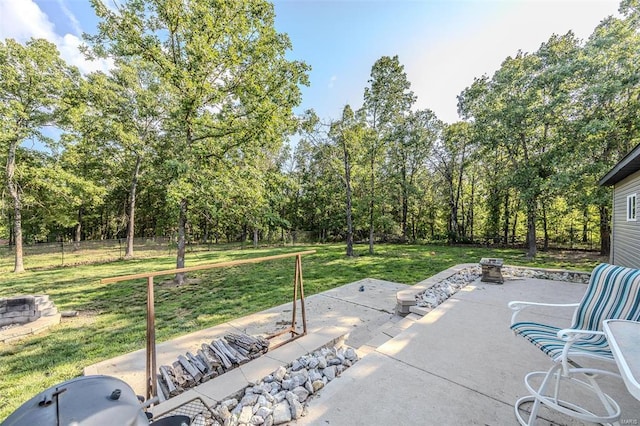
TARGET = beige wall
(625,247)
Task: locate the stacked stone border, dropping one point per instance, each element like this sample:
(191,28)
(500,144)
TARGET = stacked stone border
(21,316)
(407,300)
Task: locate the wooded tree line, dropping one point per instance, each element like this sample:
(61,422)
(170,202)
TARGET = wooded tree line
(186,136)
(522,166)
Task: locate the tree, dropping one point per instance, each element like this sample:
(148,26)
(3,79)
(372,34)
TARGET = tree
(121,119)
(450,160)
(229,87)
(607,108)
(34,82)
(348,134)
(521,111)
(386,101)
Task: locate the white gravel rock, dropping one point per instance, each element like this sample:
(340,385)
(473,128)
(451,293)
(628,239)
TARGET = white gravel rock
(281,413)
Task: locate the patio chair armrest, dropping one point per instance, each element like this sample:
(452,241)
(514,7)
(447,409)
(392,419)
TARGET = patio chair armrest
(570,335)
(518,306)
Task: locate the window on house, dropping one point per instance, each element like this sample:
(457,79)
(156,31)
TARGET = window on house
(631,207)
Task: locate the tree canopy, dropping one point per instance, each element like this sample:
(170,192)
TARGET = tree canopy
(186,136)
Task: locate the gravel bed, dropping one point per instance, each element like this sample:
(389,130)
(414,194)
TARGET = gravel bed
(441,291)
(281,396)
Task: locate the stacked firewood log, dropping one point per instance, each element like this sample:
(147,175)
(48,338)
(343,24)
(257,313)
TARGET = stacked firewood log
(211,360)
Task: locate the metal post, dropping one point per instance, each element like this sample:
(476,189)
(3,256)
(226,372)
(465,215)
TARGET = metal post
(295,299)
(304,313)
(151,341)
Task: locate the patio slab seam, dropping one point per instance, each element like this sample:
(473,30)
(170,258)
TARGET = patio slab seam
(357,304)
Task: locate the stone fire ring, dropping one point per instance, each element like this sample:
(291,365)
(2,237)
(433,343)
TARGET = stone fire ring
(21,316)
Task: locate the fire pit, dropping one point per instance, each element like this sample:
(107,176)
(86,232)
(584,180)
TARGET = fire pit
(492,270)
(22,315)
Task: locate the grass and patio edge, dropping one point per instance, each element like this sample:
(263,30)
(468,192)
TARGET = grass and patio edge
(111,318)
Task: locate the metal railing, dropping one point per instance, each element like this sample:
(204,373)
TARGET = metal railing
(151,367)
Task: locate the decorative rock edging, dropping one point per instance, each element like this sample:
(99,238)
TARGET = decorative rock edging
(406,299)
(428,294)
(441,291)
(281,396)
(546,274)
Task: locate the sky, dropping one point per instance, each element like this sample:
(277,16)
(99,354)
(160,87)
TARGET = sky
(442,44)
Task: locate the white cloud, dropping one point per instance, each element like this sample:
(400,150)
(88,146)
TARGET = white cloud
(23,19)
(440,70)
(332,80)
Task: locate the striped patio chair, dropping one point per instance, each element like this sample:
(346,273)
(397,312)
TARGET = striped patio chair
(613,292)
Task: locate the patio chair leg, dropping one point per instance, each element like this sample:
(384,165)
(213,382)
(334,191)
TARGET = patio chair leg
(535,397)
(611,410)
(539,396)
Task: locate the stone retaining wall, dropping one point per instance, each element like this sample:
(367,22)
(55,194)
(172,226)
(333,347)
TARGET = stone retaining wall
(24,309)
(429,293)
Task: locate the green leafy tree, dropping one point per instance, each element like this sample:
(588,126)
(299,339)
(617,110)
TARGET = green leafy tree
(451,157)
(348,134)
(387,101)
(229,87)
(414,138)
(607,107)
(121,120)
(34,84)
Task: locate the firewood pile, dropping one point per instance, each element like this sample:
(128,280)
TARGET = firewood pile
(211,360)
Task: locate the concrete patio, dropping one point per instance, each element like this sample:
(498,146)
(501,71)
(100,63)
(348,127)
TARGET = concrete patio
(458,364)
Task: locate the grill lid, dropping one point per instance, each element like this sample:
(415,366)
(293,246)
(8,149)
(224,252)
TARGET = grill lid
(83,401)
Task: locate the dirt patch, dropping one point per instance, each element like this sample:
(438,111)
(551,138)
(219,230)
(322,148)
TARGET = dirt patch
(170,283)
(578,256)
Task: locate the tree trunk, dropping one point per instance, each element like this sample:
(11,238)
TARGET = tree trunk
(17,205)
(506,219)
(453,217)
(405,200)
(459,191)
(347,183)
(471,208)
(132,209)
(585,225)
(531,228)
(255,238)
(78,232)
(371,203)
(182,226)
(545,227)
(10,227)
(514,226)
(413,228)
(605,231)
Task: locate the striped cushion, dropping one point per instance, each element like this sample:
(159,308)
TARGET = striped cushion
(613,293)
(545,337)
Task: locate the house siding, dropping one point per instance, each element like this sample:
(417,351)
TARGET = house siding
(626,234)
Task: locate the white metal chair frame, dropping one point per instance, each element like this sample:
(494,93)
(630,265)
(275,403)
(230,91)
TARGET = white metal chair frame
(612,293)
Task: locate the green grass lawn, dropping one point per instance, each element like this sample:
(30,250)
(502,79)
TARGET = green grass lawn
(112,316)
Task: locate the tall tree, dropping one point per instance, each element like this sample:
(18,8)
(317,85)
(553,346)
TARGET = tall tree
(450,160)
(412,140)
(348,134)
(229,86)
(121,119)
(520,110)
(607,108)
(34,82)
(387,100)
